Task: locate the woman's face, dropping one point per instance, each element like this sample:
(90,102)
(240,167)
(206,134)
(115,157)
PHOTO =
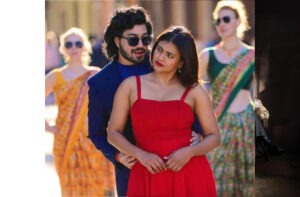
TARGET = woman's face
(226,23)
(166,57)
(74,46)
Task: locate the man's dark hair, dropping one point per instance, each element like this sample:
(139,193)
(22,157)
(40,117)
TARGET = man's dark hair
(123,19)
(184,41)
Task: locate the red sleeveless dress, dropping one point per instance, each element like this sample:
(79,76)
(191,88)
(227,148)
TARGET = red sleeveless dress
(162,127)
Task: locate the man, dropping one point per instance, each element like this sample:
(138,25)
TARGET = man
(127,38)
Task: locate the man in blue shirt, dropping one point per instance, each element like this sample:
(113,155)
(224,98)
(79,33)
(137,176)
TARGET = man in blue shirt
(127,38)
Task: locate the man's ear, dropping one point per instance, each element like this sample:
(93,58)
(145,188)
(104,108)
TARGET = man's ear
(117,41)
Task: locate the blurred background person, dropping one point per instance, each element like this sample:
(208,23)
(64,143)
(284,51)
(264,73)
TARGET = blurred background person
(98,58)
(229,66)
(82,170)
(53,58)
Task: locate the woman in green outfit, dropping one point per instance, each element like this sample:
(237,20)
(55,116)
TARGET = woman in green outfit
(229,66)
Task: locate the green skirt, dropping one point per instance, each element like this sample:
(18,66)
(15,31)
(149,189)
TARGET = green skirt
(233,162)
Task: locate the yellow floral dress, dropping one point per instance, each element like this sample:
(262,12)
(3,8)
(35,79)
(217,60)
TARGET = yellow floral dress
(82,169)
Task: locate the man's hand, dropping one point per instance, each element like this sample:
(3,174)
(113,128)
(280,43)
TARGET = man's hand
(126,160)
(195,138)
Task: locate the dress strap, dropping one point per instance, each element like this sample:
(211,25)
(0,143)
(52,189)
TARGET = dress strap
(59,78)
(138,85)
(185,93)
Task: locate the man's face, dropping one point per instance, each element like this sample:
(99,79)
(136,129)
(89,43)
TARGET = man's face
(133,45)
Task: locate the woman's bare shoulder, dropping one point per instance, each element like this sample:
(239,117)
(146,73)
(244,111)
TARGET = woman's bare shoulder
(198,91)
(130,79)
(52,74)
(204,52)
(248,46)
(93,68)
(128,83)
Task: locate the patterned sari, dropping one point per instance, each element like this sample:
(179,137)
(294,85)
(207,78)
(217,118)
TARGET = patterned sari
(233,162)
(82,169)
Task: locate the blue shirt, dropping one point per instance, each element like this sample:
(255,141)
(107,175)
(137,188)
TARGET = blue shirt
(132,70)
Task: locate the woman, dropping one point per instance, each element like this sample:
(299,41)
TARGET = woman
(162,105)
(229,66)
(82,170)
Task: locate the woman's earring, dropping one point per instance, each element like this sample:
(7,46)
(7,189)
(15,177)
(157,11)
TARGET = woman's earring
(179,69)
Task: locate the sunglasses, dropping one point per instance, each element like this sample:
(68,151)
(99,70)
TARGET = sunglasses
(69,45)
(225,19)
(134,40)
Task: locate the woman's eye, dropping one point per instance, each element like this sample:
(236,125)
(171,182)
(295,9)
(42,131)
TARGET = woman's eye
(170,55)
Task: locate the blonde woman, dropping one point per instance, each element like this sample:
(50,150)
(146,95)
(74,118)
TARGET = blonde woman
(229,66)
(82,170)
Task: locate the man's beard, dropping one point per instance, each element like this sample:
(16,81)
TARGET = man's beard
(127,57)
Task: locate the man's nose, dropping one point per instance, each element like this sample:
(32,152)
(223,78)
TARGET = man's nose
(140,43)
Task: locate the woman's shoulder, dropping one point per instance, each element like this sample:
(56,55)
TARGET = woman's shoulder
(249,47)
(56,71)
(198,91)
(127,84)
(129,81)
(206,52)
(208,49)
(55,77)
(93,68)
(134,78)
(195,88)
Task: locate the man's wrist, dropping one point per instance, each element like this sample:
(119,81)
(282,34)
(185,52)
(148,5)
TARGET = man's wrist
(117,157)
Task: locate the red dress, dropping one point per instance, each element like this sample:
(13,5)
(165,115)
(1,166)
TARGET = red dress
(162,127)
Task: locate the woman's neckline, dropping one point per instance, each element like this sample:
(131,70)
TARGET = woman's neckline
(242,50)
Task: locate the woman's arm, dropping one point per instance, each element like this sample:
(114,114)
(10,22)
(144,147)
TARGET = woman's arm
(204,110)
(203,64)
(50,82)
(203,71)
(118,118)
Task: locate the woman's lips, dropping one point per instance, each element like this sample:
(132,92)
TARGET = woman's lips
(223,30)
(159,64)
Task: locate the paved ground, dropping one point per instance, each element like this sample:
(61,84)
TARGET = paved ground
(278,177)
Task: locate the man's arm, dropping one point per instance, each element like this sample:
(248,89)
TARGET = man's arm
(97,122)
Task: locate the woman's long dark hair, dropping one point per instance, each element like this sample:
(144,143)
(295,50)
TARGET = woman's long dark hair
(182,38)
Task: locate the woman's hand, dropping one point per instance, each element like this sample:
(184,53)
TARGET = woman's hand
(177,159)
(152,162)
(51,129)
